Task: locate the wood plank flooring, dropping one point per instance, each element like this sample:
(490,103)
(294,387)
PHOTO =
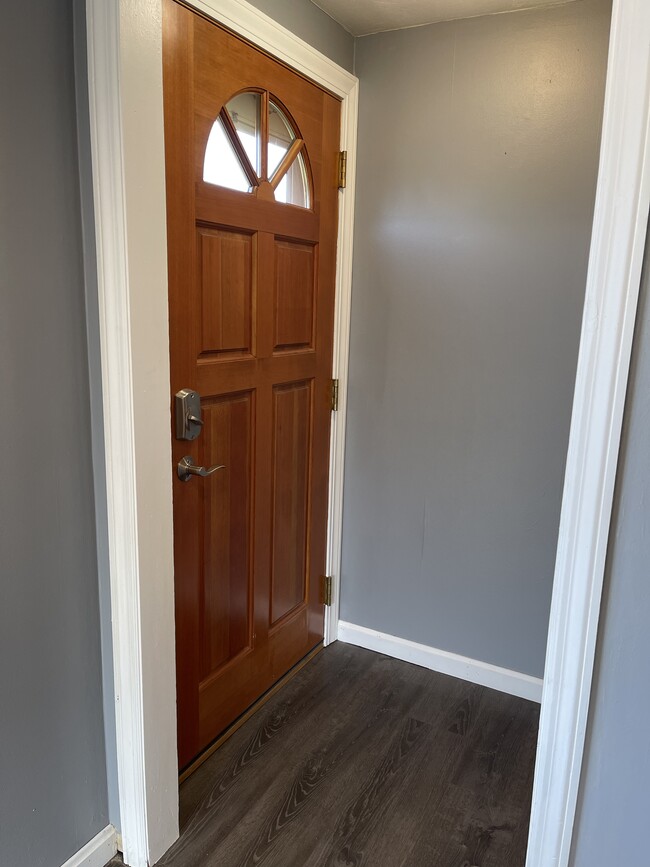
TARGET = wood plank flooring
(366,760)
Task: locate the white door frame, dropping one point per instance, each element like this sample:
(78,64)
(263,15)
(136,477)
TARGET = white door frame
(125,85)
(613,280)
(126,118)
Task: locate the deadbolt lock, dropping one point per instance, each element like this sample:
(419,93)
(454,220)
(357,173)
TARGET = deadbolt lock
(188,414)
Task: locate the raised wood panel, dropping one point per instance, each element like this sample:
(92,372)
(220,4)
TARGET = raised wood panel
(226,621)
(226,263)
(292,409)
(294,295)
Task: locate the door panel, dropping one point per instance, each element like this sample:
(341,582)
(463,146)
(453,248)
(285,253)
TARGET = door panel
(295,273)
(292,417)
(251,301)
(226,261)
(227,511)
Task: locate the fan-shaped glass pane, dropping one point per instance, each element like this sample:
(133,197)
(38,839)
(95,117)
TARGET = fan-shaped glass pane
(280,137)
(244,111)
(294,186)
(221,165)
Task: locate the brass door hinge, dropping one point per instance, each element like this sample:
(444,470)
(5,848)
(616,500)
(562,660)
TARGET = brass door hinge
(343,169)
(335,395)
(326,589)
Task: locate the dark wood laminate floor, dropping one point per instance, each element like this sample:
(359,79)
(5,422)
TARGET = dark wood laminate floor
(365,760)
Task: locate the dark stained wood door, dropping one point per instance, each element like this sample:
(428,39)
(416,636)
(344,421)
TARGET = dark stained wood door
(251,153)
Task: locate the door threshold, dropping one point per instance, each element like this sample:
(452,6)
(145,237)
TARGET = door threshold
(239,722)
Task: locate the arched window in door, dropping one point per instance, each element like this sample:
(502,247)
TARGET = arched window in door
(254,140)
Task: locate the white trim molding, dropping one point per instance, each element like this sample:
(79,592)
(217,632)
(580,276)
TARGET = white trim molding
(349,114)
(97,852)
(618,240)
(126,114)
(442,661)
(117,388)
(126,124)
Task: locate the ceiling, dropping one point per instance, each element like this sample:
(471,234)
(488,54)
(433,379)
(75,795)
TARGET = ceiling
(362,17)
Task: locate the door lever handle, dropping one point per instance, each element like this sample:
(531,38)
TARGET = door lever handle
(187,468)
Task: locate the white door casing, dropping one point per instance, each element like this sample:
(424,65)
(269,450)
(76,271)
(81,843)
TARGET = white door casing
(127,137)
(613,280)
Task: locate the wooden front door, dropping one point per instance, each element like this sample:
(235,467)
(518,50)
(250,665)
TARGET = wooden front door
(252,198)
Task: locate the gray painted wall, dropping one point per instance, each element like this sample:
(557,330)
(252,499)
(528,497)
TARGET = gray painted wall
(614,801)
(313,25)
(53,797)
(478,153)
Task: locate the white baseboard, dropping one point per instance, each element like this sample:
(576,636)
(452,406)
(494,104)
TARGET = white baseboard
(97,852)
(492,676)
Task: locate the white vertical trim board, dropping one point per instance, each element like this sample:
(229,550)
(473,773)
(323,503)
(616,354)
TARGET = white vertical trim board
(103,26)
(125,96)
(97,852)
(618,239)
(126,113)
(349,114)
(442,661)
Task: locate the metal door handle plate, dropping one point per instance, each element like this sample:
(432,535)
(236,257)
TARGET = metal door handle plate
(188,414)
(187,468)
